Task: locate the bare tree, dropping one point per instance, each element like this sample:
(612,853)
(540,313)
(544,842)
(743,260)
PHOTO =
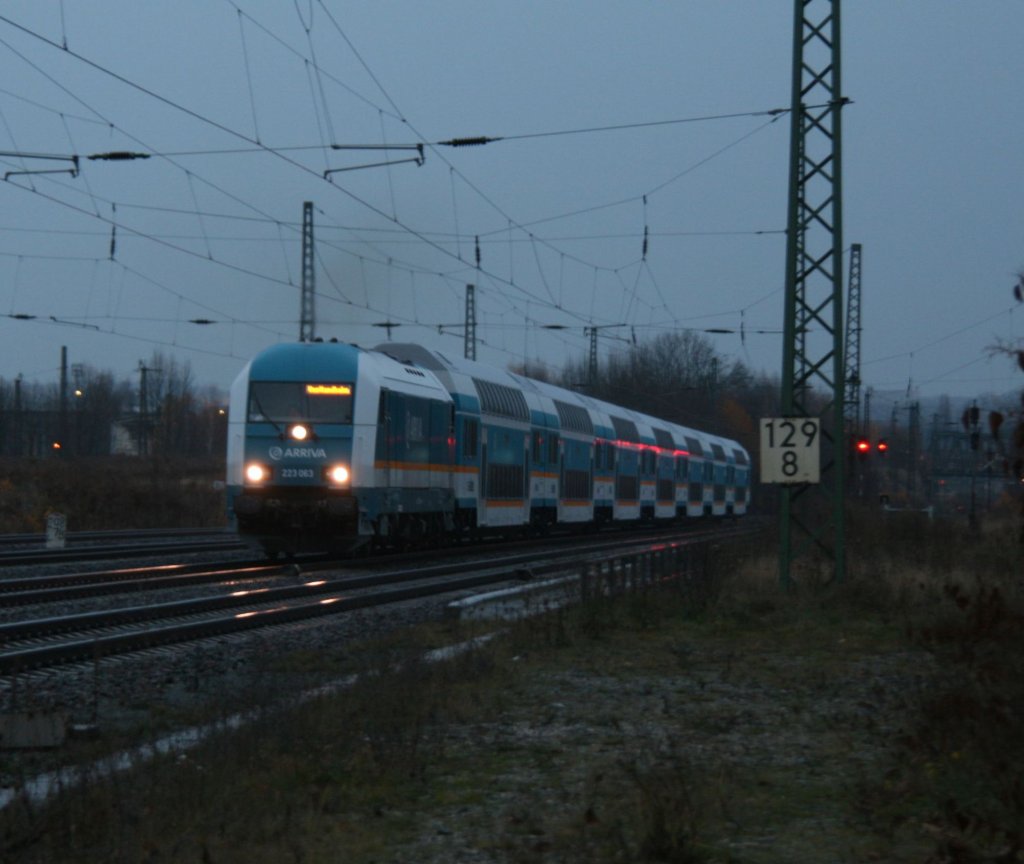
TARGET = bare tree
(172,404)
(681,377)
(98,402)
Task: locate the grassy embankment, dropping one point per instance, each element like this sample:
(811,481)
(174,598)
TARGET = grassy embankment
(874,720)
(110,493)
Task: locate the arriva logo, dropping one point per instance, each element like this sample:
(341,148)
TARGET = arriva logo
(277,453)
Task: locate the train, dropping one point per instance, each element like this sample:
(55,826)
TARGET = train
(332,447)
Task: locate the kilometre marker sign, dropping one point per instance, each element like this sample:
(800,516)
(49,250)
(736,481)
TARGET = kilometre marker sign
(790,451)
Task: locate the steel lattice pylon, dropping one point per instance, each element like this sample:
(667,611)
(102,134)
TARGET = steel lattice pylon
(469,344)
(812,363)
(851,402)
(307,311)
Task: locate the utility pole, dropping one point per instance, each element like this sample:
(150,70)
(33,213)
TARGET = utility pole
(970,421)
(592,368)
(913,434)
(77,371)
(19,433)
(851,404)
(592,358)
(62,423)
(894,476)
(142,434)
(813,517)
(469,342)
(862,471)
(307,312)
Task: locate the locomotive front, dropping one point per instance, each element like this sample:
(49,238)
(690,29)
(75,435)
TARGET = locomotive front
(290,448)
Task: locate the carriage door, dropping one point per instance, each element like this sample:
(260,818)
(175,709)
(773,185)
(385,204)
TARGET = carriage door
(482,502)
(385,440)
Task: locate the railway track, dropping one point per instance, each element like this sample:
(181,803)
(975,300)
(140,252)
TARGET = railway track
(92,636)
(59,587)
(116,536)
(13,554)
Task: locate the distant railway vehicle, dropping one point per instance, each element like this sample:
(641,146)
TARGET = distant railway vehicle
(331,446)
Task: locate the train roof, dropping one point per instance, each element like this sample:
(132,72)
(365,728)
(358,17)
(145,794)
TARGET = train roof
(305,361)
(412,368)
(340,361)
(576,412)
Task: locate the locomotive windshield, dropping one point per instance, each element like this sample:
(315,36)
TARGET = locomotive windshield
(289,401)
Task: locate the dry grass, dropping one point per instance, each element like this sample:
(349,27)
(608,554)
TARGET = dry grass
(110,493)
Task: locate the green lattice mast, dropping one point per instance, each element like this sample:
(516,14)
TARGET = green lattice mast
(812,362)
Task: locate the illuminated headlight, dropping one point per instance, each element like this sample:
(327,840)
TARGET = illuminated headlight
(256,473)
(299,432)
(337,475)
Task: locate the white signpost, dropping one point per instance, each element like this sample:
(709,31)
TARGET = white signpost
(790,450)
(56,530)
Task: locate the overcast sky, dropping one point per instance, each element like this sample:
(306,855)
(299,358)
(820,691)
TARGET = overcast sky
(238,102)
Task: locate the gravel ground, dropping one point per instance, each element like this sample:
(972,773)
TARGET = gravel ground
(734,746)
(687,741)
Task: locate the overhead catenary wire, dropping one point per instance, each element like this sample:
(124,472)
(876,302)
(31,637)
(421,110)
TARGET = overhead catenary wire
(332,143)
(481,140)
(136,231)
(248,76)
(774,114)
(941,339)
(531,239)
(512,281)
(234,133)
(454,237)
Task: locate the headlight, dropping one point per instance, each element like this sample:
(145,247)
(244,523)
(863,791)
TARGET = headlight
(299,432)
(256,473)
(337,475)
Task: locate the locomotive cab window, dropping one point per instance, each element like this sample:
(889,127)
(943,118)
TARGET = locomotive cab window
(285,401)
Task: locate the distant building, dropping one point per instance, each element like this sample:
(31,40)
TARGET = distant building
(124,437)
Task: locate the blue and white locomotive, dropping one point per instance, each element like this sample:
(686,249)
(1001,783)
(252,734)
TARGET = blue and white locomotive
(331,446)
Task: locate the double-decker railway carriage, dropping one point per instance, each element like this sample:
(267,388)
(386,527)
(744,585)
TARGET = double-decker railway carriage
(331,446)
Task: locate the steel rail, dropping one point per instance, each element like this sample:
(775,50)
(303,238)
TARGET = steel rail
(29,539)
(97,647)
(51,589)
(223,543)
(44,627)
(28,590)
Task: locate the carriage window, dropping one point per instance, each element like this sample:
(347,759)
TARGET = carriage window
(415,425)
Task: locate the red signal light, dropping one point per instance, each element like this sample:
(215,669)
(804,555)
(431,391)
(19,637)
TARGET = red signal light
(863,445)
(883,445)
